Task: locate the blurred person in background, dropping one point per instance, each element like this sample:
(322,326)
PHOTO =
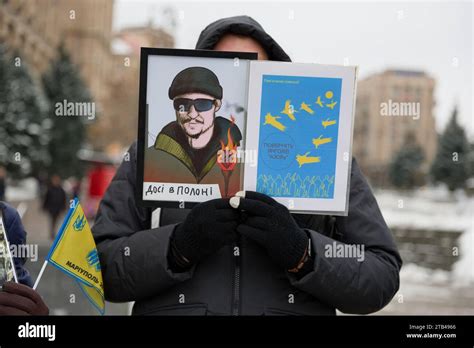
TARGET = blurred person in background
(55,202)
(76,187)
(18,298)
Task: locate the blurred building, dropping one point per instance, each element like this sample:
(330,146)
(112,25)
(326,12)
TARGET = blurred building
(382,123)
(121,104)
(108,62)
(35,28)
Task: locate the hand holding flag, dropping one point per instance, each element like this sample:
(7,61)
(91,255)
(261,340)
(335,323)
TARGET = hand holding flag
(74,252)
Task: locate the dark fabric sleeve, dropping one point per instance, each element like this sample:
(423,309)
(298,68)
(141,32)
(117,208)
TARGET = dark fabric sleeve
(16,236)
(19,239)
(348,284)
(133,257)
(22,273)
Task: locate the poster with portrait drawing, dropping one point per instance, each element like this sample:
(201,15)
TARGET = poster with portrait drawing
(300,123)
(192,115)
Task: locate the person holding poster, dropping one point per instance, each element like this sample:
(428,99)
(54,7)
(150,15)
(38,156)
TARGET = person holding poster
(247,255)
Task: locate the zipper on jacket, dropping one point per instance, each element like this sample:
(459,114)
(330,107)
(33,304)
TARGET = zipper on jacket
(236,283)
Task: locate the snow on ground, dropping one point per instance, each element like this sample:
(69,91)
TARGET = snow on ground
(463,270)
(412,273)
(434,209)
(25,190)
(430,208)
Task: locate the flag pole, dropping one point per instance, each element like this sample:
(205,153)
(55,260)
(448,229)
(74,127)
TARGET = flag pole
(40,274)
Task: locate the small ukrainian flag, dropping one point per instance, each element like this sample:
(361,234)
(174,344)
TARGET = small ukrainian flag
(74,252)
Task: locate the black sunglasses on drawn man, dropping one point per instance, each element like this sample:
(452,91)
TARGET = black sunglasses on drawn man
(201,104)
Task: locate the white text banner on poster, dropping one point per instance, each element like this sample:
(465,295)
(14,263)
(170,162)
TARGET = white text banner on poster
(164,191)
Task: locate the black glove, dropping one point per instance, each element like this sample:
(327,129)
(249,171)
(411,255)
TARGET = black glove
(18,299)
(208,227)
(270,224)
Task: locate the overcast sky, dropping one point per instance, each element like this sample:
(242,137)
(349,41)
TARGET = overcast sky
(434,36)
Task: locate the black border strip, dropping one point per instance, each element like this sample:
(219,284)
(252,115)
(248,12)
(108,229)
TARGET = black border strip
(289,330)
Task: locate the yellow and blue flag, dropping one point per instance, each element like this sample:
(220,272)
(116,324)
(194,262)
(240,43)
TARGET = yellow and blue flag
(74,252)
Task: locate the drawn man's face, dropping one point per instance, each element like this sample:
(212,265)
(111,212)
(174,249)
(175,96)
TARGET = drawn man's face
(195,112)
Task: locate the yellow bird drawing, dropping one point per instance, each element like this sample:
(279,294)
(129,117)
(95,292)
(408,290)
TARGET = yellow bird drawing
(319,102)
(288,110)
(328,122)
(332,105)
(320,141)
(306,108)
(304,159)
(272,121)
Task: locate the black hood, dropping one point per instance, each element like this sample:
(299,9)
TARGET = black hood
(241,25)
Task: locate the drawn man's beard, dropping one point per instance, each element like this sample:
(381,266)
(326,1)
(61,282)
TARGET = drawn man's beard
(183,122)
(195,136)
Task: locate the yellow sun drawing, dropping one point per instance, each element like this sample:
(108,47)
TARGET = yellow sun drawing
(329,95)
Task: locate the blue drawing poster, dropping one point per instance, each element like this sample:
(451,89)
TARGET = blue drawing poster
(299,122)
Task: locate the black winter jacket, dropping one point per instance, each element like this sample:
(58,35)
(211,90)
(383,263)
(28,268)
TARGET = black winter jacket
(134,261)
